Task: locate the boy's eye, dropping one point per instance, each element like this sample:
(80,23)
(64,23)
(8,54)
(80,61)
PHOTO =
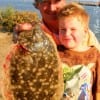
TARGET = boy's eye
(62,30)
(73,28)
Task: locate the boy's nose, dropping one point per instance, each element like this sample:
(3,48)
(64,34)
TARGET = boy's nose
(68,32)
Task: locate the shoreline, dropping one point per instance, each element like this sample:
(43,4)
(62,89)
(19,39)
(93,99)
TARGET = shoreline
(90,4)
(86,3)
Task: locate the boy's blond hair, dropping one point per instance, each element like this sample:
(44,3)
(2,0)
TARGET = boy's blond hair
(75,10)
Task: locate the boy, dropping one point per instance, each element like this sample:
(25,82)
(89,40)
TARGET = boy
(81,63)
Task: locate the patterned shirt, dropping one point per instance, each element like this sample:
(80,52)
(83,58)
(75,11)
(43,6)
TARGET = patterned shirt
(81,73)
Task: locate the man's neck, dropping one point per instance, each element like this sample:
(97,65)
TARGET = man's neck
(53,27)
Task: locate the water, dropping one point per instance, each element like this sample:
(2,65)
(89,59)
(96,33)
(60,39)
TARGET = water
(93,11)
(18,4)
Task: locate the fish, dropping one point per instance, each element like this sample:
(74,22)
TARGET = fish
(35,71)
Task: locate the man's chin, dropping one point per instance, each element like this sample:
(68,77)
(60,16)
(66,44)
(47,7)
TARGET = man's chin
(53,17)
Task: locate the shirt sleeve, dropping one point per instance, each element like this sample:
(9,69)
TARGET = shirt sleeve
(98,79)
(91,40)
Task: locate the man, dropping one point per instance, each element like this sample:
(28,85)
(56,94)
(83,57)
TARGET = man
(49,10)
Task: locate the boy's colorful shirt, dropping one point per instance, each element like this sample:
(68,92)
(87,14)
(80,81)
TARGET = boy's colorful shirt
(77,81)
(81,73)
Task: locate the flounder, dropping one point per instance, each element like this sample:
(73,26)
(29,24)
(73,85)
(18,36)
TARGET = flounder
(35,71)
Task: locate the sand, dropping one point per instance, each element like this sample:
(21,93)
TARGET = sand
(5,45)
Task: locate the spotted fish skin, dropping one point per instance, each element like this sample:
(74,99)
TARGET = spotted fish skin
(35,71)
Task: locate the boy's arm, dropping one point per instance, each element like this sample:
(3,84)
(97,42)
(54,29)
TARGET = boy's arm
(98,79)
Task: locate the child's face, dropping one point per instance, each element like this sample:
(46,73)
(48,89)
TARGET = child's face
(71,32)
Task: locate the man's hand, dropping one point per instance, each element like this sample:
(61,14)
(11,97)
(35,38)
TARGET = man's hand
(22,27)
(19,28)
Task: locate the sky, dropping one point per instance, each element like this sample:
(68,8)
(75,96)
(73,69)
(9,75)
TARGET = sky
(66,0)
(90,0)
(86,0)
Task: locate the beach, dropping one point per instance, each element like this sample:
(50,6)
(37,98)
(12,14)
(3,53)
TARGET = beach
(5,45)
